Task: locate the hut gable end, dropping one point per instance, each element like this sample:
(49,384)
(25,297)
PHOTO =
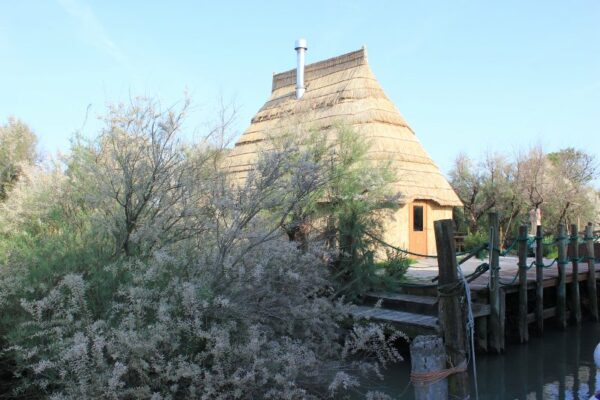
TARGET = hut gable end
(344,89)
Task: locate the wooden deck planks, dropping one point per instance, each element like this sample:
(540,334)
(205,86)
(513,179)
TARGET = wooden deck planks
(507,273)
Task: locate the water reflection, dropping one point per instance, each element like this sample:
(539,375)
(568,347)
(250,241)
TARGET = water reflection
(559,365)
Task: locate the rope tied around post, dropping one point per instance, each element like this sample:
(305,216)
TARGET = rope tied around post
(450,289)
(429,378)
(542,265)
(514,278)
(513,244)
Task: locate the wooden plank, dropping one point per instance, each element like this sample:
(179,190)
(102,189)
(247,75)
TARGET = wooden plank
(547,313)
(539,280)
(522,250)
(481,332)
(405,302)
(450,312)
(480,310)
(394,316)
(591,278)
(561,288)
(496,340)
(575,302)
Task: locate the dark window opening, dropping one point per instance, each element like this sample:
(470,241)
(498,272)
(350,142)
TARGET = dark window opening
(418,218)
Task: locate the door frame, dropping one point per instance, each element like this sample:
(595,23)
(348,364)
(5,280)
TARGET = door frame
(417,240)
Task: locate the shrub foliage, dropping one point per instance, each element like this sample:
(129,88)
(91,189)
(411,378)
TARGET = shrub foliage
(135,268)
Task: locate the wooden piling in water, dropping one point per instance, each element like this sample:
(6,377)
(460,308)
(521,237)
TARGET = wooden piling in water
(539,280)
(591,281)
(481,330)
(575,301)
(561,288)
(496,340)
(427,355)
(451,319)
(522,250)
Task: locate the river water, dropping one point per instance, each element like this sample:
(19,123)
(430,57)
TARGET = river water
(559,365)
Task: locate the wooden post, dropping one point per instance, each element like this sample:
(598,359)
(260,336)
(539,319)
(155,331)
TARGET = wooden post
(481,330)
(452,321)
(539,280)
(575,302)
(561,289)
(427,355)
(591,280)
(523,327)
(496,332)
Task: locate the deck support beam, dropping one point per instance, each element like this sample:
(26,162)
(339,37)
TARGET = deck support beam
(522,250)
(561,288)
(575,301)
(452,320)
(496,323)
(539,280)
(591,280)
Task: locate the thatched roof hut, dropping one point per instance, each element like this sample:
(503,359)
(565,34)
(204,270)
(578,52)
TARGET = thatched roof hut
(344,89)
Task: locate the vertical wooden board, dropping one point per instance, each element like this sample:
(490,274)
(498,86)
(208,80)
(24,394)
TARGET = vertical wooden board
(561,288)
(435,213)
(502,335)
(417,227)
(575,301)
(539,280)
(450,311)
(481,332)
(496,339)
(522,250)
(395,231)
(591,281)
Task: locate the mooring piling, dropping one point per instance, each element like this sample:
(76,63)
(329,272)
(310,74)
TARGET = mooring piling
(575,302)
(496,340)
(561,288)
(539,280)
(451,317)
(428,359)
(591,280)
(522,251)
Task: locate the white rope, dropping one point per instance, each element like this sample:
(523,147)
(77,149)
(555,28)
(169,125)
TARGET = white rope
(470,328)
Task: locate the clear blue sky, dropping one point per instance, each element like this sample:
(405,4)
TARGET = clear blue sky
(467,75)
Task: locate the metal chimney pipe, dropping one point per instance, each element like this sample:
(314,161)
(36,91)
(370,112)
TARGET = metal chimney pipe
(300,49)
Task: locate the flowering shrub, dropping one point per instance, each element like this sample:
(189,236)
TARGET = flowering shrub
(173,283)
(181,329)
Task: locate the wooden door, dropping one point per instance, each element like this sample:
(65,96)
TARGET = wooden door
(417,227)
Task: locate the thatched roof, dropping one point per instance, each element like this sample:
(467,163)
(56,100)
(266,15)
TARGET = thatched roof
(343,89)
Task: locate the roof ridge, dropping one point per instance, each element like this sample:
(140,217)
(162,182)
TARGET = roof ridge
(330,65)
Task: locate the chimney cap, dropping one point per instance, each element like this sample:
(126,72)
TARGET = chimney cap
(300,44)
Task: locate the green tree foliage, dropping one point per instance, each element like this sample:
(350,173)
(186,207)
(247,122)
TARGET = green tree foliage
(360,196)
(136,269)
(558,183)
(17,150)
(352,196)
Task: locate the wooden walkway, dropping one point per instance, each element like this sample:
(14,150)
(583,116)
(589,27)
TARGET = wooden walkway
(508,269)
(413,310)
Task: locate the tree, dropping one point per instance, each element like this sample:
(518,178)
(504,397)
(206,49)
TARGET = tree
(17,150)
(205,297)
(138,172)
(344,209)
(558,183)
(571,172)
(470,183)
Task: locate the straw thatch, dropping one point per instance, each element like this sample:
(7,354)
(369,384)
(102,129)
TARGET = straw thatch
(343,89)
